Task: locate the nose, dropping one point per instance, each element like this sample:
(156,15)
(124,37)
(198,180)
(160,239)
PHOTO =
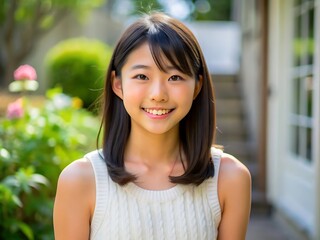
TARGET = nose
(158,91)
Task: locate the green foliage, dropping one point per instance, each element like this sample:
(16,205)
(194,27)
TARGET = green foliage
(146,6)
(212,10)
(33,151)
(23,22)
(200,10)
(79,66)
(303,46)
(43,10)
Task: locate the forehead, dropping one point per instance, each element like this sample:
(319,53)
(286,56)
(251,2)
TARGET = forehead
(142,56)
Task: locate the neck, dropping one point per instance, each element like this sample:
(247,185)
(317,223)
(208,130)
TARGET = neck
(153,148)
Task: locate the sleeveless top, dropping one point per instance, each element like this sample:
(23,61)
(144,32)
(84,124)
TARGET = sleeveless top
(131,212)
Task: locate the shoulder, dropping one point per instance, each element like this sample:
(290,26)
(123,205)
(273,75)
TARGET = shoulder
(232,167)
(77,181)
(74,201)
(79,173)
(232,175)
(234,191)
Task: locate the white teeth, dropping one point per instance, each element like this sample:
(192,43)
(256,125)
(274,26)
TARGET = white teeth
(157,112)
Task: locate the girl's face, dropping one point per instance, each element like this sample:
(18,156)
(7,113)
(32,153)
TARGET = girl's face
(155,100)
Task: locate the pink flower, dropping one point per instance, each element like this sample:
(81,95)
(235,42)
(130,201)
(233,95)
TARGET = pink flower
(15,109)
(25,72)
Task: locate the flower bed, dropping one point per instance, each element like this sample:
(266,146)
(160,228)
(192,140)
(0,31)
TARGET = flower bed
(7,98)
(39,136)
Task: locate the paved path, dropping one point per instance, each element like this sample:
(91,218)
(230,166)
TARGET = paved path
(262,227)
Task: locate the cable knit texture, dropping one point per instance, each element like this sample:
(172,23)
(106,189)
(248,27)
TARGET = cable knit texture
(130,212)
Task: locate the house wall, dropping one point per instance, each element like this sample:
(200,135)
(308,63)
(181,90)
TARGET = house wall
(317,128)
(275,108)
(250,66)
(293,183)
(220,44)
(293,180)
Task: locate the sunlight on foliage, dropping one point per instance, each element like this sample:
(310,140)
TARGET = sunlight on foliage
(34,148)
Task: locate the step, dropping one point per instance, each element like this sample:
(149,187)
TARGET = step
(224,78)
(230,126)
(254,171)
(235,136)
(259,203)
(227,89)
(225,133)
(229,106)
(242,150)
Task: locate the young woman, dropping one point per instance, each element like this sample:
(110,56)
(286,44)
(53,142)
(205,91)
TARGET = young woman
(158,175)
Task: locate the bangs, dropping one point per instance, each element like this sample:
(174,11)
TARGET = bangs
(169,46)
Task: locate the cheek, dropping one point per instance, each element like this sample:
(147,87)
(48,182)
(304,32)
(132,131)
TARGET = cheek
(131,92)
(185,94)
(131,96)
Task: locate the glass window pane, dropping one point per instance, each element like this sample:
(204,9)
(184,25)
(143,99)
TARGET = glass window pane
(297,2)
(309,90)
(295,139)
(309,144)
(302,94)
(311,36)
(296,96)
(297,40)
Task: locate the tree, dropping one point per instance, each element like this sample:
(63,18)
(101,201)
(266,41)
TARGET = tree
(23,22)
(211,10)
(214,10)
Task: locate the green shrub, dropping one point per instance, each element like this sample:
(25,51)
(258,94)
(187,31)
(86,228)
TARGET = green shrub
(78,65)
(34,148)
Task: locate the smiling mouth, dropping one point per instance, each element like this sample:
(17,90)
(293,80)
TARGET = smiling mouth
(157,112)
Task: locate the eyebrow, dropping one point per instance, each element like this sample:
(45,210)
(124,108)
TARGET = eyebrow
(139,66)
(171,68)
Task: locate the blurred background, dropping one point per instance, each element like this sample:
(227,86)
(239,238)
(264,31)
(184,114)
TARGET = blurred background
(264,57)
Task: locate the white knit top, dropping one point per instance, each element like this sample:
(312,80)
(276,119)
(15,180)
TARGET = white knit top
(130,212)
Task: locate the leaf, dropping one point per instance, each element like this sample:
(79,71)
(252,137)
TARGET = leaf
(47,22)
(63,135)
(17,200)
(53,92)
(4,154)
(8,198)
(16,86)
(27,231)
(31,85)
(11,181)
(38,178)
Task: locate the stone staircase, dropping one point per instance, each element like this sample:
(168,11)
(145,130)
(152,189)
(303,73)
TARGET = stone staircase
(232,132)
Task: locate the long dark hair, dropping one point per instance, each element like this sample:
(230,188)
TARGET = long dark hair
(170,39)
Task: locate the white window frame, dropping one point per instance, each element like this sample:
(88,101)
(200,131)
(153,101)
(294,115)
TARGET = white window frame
(293,183)
(301,121)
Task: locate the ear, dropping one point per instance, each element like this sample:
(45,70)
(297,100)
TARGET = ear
(116,84)
(198,87)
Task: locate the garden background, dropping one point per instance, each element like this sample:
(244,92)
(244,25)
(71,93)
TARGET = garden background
(49,97)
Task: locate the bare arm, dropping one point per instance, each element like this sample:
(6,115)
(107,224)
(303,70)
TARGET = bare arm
(235,197)
(74,202)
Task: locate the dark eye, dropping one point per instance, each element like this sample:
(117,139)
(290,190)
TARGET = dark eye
(141,77)
(175,78)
